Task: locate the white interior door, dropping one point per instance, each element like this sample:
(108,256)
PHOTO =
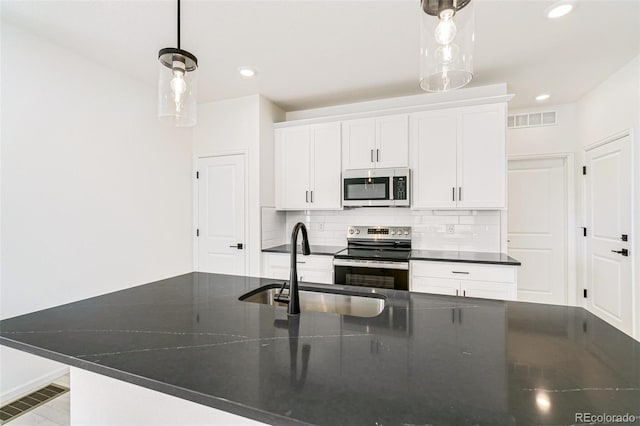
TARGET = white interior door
(608,210)
(221,215)
(538,228)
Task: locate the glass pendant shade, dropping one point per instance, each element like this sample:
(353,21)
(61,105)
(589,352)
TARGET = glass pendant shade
(446,45)
(177,84)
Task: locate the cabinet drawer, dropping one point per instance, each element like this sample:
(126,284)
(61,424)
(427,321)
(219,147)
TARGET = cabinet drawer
(435,286)
(317,269)
(463,271)
(489,290)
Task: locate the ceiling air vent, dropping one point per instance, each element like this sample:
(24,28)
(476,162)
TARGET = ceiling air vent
(532,119)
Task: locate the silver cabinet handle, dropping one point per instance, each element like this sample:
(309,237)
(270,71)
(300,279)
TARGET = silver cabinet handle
(464,293)
(460,272)
(378,155)
(372,156)
(459,193)
(306,196)
(453,193)
(300,262)
(456,292)
(312,196)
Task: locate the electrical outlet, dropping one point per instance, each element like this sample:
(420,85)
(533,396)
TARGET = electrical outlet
(321,226)
(451,229)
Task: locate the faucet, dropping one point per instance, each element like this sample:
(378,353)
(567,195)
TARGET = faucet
(293,307)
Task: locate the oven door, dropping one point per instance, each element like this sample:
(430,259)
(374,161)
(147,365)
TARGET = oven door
(367,191)
(371,273)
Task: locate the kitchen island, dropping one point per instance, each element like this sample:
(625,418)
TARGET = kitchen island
(424,359)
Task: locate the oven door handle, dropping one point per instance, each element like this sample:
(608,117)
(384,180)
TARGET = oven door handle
(371,264)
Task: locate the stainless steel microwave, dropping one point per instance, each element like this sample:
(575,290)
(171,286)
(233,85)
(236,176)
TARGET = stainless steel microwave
(376,188)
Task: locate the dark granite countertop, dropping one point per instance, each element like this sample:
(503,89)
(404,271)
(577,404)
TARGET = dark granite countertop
(464,256)
(315,249)
(425,359)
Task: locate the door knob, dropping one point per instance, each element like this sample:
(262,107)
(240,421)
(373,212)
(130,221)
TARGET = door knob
(623,252)
(238,246)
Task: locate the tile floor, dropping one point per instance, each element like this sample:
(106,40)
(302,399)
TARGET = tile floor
(53,413)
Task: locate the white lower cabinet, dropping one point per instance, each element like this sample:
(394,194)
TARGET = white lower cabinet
(312,269)
(464,279)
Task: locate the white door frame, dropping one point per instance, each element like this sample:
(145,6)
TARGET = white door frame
(568,157)
(635,223)
(196,205)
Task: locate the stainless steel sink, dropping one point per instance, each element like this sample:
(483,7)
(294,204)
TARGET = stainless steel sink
(322,300)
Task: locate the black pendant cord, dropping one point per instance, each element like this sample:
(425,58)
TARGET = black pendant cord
(178,24)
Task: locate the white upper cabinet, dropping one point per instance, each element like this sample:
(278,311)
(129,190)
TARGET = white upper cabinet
(434,137)
(482,161)
(293,149)
(392,141)
(458,158)
(376,142)
(308,167)
(359,144)
(326,177)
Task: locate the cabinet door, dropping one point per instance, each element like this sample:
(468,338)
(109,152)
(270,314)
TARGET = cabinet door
(275,266)
(433,159)
(315,269)
(359,144)
(482,163)
(435,285)
(392,142)
(292,167)
(326,167)
(488,290)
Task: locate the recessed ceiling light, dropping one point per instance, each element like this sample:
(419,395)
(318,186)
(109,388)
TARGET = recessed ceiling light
(543,97)
(247,72)
(560,8)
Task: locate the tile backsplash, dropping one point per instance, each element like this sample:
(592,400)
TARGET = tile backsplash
(469,230)
(274,230)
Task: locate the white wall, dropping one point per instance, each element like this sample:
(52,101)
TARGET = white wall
(243,125)
(560,138)
(607,110)
(96,192)
(269,114)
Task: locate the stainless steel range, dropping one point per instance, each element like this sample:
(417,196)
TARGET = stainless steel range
(376,256)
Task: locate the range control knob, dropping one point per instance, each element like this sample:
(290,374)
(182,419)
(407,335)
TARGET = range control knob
(406,232)
(393,232)
(357,231)
(351,231)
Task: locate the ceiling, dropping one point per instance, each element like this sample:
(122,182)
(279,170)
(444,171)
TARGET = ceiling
(317,53)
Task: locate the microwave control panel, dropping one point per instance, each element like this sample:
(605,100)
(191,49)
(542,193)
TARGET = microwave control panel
(400,189)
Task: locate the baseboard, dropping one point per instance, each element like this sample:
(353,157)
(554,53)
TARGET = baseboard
(32,385)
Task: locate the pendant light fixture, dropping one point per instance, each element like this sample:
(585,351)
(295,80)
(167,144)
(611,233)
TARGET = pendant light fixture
(177,84)
(446,44)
